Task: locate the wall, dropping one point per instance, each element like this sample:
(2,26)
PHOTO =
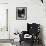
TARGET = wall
(3,1)
(3,21)
(35,13)
(3,34)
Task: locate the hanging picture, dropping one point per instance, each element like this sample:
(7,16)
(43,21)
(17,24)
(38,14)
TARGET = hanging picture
(21,13)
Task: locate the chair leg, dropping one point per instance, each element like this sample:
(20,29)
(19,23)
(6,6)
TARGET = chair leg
(20,42)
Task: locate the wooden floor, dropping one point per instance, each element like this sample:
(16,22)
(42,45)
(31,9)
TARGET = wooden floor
(27,44)
(6,40)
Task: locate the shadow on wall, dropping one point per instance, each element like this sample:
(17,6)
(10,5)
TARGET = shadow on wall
(41,35)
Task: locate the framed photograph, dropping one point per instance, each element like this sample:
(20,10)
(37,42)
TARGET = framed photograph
(21,13)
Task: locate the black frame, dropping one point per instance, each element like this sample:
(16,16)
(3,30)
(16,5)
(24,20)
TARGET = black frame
(25,16)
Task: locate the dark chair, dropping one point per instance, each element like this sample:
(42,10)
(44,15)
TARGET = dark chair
(32,29)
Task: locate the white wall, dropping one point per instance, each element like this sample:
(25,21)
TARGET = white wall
(35,13)
(4,34)
(3,1)
(3,21)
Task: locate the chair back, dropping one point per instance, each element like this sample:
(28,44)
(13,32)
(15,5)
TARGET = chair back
(33,29)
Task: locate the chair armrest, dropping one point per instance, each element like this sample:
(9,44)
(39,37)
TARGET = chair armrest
(24,32)
(22,35)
